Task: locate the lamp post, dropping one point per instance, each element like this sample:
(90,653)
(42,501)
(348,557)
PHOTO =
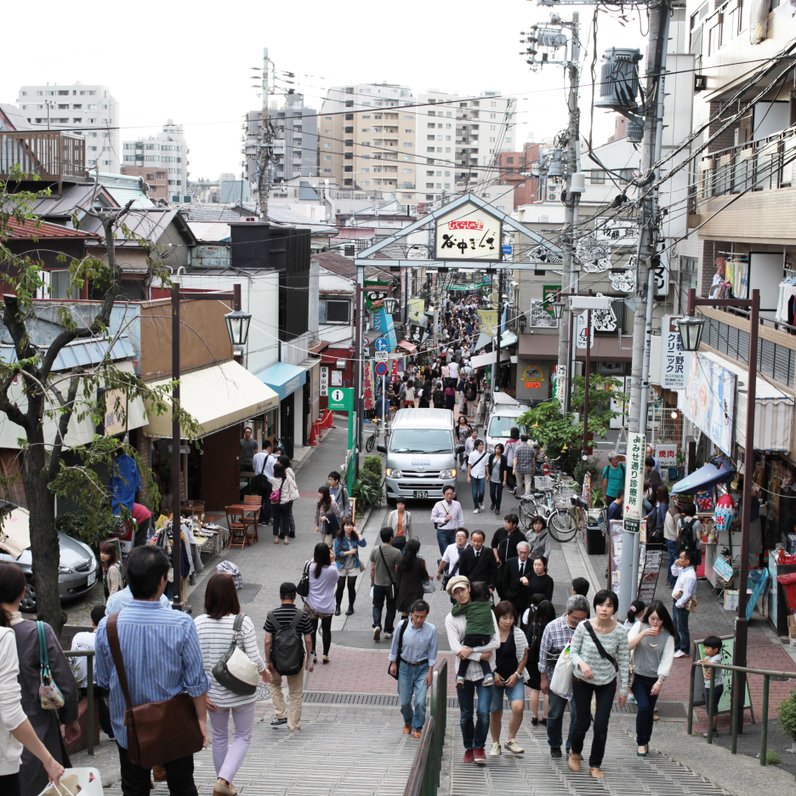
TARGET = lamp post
(690,329)
(237,324)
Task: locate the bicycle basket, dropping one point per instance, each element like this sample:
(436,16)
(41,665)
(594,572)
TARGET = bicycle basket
(543,483)
(563,503)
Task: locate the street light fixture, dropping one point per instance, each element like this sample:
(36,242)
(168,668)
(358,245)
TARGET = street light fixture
(238,327)
(389,304)
(558,309)
(690,329)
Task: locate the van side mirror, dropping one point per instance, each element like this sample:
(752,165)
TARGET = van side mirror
(381,448)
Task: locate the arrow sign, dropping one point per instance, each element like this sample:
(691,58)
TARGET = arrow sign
(381,344)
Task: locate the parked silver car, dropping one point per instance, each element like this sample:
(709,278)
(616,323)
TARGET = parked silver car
(78,566)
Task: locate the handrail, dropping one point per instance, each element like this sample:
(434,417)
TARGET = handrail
(735,708)
(89,655)
(425,772)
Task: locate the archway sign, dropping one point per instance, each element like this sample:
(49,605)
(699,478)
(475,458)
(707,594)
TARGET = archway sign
(466,234)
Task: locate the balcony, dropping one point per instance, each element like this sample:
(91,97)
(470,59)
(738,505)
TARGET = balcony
(751,188)
(50,155)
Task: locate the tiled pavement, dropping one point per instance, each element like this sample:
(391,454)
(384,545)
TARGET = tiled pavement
(356,748)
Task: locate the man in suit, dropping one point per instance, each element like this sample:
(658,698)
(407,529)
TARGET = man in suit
(477,562)
(514,579)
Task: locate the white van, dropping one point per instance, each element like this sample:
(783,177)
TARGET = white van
(421,454)
(502,418)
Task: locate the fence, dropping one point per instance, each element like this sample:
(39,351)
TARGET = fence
(424,774)
(739,674)
(89,656)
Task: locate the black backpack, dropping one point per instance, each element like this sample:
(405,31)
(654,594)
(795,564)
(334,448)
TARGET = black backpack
(470,392)
(287,646)
(685,536)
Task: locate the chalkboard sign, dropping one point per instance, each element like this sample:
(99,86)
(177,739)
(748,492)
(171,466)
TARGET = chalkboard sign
(725,703)
(649,575)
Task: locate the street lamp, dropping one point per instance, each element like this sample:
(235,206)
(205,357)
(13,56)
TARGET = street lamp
(389,304)
(558,309)
(237,323)
(690,329)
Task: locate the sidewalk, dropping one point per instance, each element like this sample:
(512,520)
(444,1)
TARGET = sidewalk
(351,740)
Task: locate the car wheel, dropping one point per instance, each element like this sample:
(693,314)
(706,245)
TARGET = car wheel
(28,604)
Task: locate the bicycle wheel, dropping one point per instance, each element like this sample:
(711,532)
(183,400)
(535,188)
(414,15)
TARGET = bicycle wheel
(562,526)
(527,513)
(370,443)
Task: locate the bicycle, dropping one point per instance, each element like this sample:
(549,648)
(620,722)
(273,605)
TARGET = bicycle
(562,514)
(370,442)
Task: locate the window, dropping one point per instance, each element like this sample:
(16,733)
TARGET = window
(61,286)
(597,177)
(336,310)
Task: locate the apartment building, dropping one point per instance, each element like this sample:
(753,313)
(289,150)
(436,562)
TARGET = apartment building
(366,140)
(514,169)
(90,110)
(164,152)
(294,142)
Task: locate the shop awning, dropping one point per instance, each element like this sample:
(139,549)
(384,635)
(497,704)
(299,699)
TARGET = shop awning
(482,341)
(410,348)
(283,378)
(773,411)
(705,477)
(482,360)
(506,339)
(217,397)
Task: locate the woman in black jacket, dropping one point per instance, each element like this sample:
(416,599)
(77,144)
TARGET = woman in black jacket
(540,582)
(496,473)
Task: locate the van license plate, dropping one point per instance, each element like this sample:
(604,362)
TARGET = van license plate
(420,493)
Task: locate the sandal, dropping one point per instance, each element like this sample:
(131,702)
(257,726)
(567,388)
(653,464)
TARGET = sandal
(287,541)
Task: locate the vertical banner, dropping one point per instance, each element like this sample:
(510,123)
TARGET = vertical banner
(367,378)
(673,362)
(488,322)
(560,383)
(634,482)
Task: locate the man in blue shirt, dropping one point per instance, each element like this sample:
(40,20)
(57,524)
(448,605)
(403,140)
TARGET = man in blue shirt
(416,641)
(162,658)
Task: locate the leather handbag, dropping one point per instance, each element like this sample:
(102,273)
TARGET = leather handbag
(303,587)
(152,735)
(235,670)
(50,696)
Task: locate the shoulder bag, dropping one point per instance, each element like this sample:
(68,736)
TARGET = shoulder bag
(260,483)
(50,696)
(303,587)
(276,494)
(235,670)
(561,681)
(393,584)
(397,660)
(600,648)
(151,736)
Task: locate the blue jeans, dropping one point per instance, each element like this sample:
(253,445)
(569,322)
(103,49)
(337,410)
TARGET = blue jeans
(445,536)
(556,707)
(683,637)
(477,488)
(671,547)
(380,594)
(412,680)
(645,701)
(495,494)
(474,734)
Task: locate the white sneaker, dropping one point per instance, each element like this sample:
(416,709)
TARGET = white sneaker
(475,510)
(680,654)
(495,751)
(514,747)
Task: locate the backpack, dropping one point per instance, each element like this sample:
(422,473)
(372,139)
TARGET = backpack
(470,392)
(287,646)
(685,536)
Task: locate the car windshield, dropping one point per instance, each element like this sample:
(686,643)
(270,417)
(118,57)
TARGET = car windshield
(421,440)
(500,426)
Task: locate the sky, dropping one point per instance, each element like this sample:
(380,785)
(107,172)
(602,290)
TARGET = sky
(199,65)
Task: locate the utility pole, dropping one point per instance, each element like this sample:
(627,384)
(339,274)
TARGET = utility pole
(266,146)
(645,281)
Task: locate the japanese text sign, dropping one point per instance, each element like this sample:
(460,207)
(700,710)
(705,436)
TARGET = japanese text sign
(634,482)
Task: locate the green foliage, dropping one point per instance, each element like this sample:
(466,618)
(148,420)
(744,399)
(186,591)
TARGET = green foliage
(369,490)
(91,529)
(787,715)
(772,758)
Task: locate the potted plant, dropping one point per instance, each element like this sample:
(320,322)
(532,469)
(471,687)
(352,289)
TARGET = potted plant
(787,718)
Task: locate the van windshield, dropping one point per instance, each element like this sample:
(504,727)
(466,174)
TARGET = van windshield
(500,426)
(421,440)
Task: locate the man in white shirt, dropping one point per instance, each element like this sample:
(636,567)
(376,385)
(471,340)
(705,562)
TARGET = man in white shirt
(449,563)
(447,517)
(453,370)
(263,464)
(684,590)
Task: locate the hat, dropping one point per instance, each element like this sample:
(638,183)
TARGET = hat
(457,582)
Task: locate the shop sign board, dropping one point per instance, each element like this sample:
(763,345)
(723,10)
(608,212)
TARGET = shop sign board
(468,233)
(674,369)
(708,400)
(324,383)
(634,482)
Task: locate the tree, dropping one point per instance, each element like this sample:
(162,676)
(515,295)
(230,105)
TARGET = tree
(561,435)
(62,397)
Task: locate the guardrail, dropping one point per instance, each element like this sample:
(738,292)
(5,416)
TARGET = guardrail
(89,656)
(739,674)
(424,774)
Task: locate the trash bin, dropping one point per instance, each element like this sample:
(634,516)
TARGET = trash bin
(595,539)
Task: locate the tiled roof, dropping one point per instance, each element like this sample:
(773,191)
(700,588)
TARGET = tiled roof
(40,230)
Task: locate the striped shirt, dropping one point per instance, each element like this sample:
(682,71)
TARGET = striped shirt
(161,657)
(284,616)
(215,636)
(603,671)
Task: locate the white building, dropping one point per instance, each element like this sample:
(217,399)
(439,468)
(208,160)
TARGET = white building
(90,110)
(168,151)
(458,142)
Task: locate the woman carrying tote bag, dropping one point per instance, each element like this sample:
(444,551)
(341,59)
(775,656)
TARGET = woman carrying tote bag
(216,630)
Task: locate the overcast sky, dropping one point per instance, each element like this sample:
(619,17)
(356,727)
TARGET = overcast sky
(179,60)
